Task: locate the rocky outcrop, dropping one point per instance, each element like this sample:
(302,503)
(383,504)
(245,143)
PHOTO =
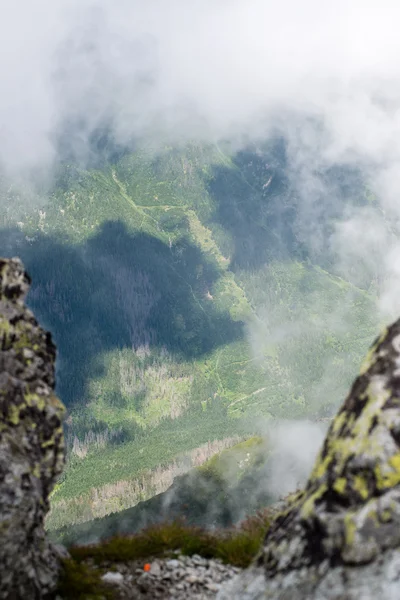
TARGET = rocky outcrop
(31,442)
(340,536)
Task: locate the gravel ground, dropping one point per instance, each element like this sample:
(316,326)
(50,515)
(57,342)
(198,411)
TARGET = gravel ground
(179,578)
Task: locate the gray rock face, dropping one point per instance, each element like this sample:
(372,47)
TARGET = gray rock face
(380,579)
(31,443)
(340,536)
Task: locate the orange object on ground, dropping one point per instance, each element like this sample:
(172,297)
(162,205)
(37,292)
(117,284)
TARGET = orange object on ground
(147,567)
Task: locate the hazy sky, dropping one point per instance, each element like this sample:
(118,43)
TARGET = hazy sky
(325,74)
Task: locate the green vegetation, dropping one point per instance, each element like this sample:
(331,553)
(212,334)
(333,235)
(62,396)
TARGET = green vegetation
(184,306)
(219,493)
(82,582)
(234,462)
(131,458)
(235,546)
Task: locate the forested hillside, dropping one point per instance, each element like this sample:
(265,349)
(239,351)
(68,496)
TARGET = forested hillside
(187,309)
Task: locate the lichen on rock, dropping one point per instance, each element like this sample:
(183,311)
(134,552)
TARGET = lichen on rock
(31,442)
(350,508)
(348,515)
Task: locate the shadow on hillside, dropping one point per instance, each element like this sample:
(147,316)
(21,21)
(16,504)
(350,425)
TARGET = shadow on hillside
(119,290)
(255,205)
(258,204)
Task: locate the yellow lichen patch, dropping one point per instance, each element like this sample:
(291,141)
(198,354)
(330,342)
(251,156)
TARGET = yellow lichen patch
(351,419)
(338,422)
(350,529)
(360,486)
(321,467)
(58,432)
(309,505)
(360,462)
(4,326)
(35,400)
(293,499)
(388,475)
(376,395)
(394,462)
(340,449)
(360,442)
(23,340)
(13,414)
(48,443)
(340,485)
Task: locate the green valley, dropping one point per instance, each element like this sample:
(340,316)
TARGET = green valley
(185,310)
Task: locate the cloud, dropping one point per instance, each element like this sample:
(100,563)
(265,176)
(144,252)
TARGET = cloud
(296,445)
(205,68)
(325,76)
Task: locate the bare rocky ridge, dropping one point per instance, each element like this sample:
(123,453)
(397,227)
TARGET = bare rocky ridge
(340,536)
(31,443)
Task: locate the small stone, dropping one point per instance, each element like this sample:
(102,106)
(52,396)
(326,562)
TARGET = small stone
(172,564)
(213,587)
(198,560)
(155,569)
(220,567)
(112,577)
(143,581)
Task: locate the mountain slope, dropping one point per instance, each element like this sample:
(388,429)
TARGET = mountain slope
(184,308)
